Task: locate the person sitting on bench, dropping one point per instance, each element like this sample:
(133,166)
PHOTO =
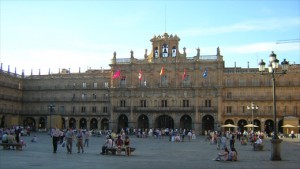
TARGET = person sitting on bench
(108,144)
(119,144)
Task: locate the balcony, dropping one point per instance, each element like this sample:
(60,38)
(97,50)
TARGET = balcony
(164,109)
(121,109)
(203,109)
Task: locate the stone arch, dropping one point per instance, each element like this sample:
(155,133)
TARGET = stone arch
(104,124)
(82,123)
(93,124)
(143,122)
(122,122)
(269,127)
(241,123)
(29,121)
(164,121)
(186,122)
(229,121)
(207,123)
(257,123)
(72,123)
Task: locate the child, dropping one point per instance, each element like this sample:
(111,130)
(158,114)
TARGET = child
(34,139)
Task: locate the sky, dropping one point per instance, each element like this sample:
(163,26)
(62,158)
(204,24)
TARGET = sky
(55,34)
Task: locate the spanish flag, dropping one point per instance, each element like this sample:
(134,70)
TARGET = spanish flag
(140,75)
(184,74)
(162,71)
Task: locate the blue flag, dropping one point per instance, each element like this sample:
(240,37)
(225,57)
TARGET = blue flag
(205,73)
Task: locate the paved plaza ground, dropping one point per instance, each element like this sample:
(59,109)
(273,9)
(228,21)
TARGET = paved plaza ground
(150,153)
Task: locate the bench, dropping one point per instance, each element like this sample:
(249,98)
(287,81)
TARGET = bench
(6,146)
(114,150)
(258,147)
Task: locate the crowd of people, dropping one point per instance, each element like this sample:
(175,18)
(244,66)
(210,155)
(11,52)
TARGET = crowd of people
(224,140)
(12,136)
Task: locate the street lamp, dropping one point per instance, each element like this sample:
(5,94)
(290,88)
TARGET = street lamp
(273,69)
(51,108)
(252,107)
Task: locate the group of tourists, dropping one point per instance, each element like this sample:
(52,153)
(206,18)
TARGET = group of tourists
(66,139)
(12,136)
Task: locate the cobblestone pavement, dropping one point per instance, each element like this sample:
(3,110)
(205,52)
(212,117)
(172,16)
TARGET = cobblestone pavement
(150,153)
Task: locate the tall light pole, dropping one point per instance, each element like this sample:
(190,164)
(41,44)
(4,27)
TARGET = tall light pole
(51,107)
(274,69)
(252,107)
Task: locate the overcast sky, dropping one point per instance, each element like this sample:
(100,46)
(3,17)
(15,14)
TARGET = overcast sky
(57,34)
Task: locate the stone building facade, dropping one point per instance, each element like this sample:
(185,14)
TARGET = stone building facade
(164,89)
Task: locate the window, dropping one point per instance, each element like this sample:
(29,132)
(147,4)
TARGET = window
(73,97)
(122,103)
(143,103)
(84,85)
(164,103)
(173,51)
(83,109)
(186,103)
(243,109)
(104,109)
(165,49)
(106,84)
(228,109)
(228,95)
(95,85)
(94,96)
(83,96)
(164,81)
(155,52)
(105,96)
(94,109)
(73,109)
(207,103)
(123,81)
(62,110)
(242,82)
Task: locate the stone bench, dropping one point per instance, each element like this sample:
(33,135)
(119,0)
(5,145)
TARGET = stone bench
(7,146)
(258,147)
(114,150)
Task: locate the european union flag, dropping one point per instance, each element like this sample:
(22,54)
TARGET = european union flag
(205,73)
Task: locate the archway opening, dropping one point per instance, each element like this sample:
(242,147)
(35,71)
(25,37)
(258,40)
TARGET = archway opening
(186,122)
(143,122)
(207,123)
(164,121)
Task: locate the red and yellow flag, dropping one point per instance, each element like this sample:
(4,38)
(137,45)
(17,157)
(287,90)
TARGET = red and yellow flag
(162,71)
(184,74)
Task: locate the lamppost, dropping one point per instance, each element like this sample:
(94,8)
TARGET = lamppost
(252,107)
(51,108)
(273,69)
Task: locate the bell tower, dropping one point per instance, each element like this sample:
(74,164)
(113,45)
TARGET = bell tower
(164,46)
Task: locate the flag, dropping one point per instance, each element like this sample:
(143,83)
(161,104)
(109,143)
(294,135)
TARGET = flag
(205,73)
(184,74)
(162,71)
(117,74)
(140,75)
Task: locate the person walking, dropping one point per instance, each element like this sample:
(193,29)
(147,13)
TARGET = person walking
(69,139)
(79,144)
(55,134)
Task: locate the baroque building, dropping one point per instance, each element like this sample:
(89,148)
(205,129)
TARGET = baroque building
(164,89)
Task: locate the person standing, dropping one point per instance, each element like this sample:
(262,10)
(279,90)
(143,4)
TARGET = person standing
(87,138)
(127,146)
(55,133)
(292,134)
(69,138)
(79,137)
